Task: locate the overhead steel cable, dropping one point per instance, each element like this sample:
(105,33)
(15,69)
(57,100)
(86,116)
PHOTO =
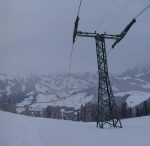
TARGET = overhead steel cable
(71,53)
(105,14)
(79,7)
(109,51)
(142,11)
(134,19)
(69,70)
(119,14)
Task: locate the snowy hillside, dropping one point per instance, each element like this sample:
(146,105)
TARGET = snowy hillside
(39,91)
(17,130)
(135,97)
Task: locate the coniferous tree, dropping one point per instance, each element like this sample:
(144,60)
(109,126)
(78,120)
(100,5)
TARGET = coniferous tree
(130,112)
(149,108)
(91,112)
(48,112)
(8,105)
(78,116)
(124,110)
(56,113)
(27,111)
(145,108)
(83,113)
(53,112)
(137,112)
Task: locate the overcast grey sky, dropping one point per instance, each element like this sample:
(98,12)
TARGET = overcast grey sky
(36,35)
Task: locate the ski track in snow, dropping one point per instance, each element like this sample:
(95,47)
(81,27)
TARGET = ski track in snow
(18,130)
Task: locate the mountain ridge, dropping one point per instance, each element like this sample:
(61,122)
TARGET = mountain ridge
(38,92)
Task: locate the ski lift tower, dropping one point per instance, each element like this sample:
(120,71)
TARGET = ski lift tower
(107,113)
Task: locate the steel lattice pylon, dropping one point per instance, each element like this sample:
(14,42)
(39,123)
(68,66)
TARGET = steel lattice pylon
(106,112)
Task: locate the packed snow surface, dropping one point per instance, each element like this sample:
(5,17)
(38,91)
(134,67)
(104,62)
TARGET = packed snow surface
(18,130)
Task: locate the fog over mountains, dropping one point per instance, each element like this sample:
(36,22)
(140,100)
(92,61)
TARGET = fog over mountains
(132,86)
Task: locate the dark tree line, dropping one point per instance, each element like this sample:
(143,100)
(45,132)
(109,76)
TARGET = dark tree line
(141,110)
(56,112)
(88,112)
(125,111)
(53,112)
(8,105)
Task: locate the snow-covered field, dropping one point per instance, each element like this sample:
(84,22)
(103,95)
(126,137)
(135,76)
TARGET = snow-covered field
(18,130)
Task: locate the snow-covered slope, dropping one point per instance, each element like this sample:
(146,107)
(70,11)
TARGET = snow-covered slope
(135,97)
(53,90)
(18,130)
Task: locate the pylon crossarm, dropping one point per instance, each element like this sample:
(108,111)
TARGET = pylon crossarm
(97,35)
(86,34)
